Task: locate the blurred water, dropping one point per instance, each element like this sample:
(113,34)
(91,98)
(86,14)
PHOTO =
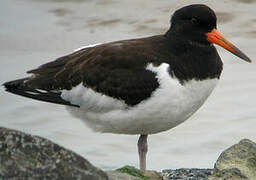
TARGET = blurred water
(36,31)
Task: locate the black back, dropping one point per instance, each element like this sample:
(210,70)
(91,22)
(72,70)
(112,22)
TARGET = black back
(118,69)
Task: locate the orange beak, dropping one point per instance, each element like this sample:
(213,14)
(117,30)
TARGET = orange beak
(216,38)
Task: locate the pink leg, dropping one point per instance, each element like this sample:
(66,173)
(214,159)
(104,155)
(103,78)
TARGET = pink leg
(142,149)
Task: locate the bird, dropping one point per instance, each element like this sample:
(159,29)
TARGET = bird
(139,86)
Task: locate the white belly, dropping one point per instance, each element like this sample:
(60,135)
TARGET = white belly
(169,105)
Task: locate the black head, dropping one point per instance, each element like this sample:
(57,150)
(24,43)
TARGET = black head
(197,24)
(193,22)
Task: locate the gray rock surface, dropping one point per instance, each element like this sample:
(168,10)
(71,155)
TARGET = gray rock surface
(187,174)
(227,174)
(237,162)
(24,156)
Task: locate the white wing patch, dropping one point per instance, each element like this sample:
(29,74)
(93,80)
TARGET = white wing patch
(168,106)
(91,101)
(88,46)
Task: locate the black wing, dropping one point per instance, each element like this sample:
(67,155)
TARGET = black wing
(19,87)
(115,69)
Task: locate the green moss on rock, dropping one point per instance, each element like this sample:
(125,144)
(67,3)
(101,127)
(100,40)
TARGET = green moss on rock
(140,174)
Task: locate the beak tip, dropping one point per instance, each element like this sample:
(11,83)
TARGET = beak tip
(247,59)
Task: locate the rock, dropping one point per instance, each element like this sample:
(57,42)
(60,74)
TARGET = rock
(238,161)
(24,156)
(187,174)
(28,157)
(140,175)
(116,175)
(228,174)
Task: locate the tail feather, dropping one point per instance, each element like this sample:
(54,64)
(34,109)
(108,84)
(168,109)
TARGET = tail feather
(20,87)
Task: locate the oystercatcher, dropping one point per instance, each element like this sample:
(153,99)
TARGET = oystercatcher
(136,86)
